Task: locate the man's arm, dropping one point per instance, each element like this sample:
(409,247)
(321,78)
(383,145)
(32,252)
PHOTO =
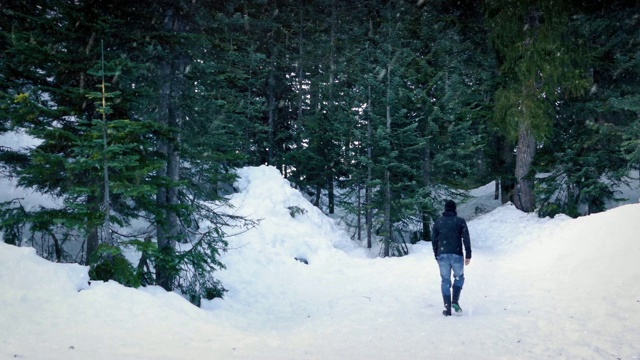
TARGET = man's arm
(467,242)
(434,241)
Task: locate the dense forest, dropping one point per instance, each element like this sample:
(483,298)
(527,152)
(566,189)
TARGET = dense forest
(383,108)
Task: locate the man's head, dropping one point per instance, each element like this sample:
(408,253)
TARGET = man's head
(450,205)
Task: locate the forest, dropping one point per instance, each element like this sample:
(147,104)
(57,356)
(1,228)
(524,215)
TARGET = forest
(380,108)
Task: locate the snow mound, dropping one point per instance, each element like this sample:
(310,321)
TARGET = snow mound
(49,311)
(26,276)
(278,260)
(594,255)
(288,221)
(507,227)
(578,284)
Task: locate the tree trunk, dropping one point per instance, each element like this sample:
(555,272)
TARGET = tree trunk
(172,71)
(165,245)
(359,211)
(105,170)
(143,264)
(92,243)
(332,107)
(506,169)
(57,247)
(387,175)
(526,151)
(387,213)
(316,203)
(271,114)
(426,178)
(331,192)
(93,240)
(367,190)
(301,93)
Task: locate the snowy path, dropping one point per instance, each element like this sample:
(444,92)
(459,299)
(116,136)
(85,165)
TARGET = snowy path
(536,289)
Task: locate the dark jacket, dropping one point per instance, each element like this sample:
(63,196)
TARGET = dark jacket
(449,234)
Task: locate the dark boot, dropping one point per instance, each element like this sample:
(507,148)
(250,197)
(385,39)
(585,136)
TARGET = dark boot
(456,298)
(447,306)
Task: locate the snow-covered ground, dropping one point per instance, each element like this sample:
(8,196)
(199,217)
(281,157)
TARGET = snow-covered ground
(536,289)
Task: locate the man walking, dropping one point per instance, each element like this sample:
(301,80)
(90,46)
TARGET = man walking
(449,234)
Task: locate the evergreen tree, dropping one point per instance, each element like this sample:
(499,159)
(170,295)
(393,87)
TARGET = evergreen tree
(48,62)
(425,152)
(456,69)
(539,64)
(586,154)
(184,46)
(46,72)
(321,107)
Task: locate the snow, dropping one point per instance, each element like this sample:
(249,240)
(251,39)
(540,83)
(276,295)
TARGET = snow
(535,289)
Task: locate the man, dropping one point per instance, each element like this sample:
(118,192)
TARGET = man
(449,234)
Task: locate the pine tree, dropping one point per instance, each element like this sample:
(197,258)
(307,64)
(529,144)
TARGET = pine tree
(51,104)
(539,64)
(586,154)
(188,52)
(456,68)
(49,80)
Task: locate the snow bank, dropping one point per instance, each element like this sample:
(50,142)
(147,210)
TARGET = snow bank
(509,228)
(48,311)
(580,280)
(22,273)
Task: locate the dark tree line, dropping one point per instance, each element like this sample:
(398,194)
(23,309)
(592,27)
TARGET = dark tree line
(384,108)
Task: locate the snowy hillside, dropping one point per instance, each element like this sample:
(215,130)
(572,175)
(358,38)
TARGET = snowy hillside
(536,289)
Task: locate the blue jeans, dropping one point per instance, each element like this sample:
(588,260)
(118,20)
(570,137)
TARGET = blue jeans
(448,263)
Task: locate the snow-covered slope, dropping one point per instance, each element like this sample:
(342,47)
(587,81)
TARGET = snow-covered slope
(536,289)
